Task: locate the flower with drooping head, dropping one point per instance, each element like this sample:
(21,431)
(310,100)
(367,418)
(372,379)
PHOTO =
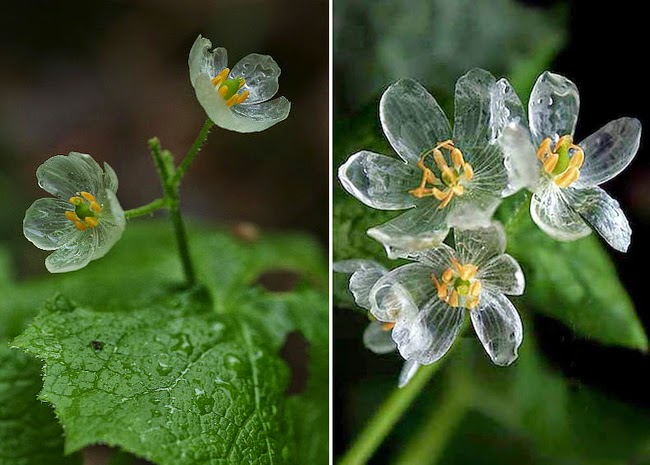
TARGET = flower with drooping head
(378,335)
(564,176)
(84,221)
(236,99)
(447,179)
(434,294)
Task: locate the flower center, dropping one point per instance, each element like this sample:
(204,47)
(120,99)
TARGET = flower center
(450,178)
(86,210)
(563,161)
(228,88)
(457,285)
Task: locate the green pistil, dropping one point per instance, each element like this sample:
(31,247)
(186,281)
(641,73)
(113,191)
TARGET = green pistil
(563,158)
(83,211)
(461,286)
(232,85)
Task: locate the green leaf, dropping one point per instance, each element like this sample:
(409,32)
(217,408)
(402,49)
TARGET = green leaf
(574,282)
(29,433)
(188,377)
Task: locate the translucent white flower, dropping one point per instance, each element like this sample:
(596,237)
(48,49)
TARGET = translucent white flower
(563,176)
(377,336)
(447,179)
(84,221)
(427,300)
(236,99)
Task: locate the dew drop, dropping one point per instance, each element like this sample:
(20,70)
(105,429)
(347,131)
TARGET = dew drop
(163,369)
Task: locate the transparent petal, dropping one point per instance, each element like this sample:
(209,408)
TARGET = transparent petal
(505,109)
(112,223)
(440,325)
(379,181)
(76,253)
(239,118)
(608,151)
(91,244)
(475,208)
(550,210)
(260,116)
(365,273)
(604,214)
(472,110)
(520,158)
(498,326)
(412,119)
(261,73)
(478,246)
(377,339)
(502,274)
(409,370)
(45,224)
(399,293)
(418,229)
(438,258)
(66,176)
(553,107)
(110,178)
(204,62)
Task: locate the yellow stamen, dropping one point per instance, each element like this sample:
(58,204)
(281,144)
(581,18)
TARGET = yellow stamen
(568,177)
(219,78)
(453,299)
(448,275)
(450,178)
(551,162)
(222,91)
(75,200)
(387,326)
(72,216)
(80,226)
(564,153)
(475,289)
(440,288)
(544,149)
(91,221)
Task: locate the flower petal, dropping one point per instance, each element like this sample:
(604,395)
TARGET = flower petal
(66,176)
(261,116)
(438,258)
(503,274)
(377,339)
(412,119)
(604,214)
(409,370)
(111,226)
(440,325)
(76,253)
(418,229)
(608,151)
(520,158)
(365,273)
(399,293)
(203,61)
(45,224)
(475,208)
(551,212)
(261,73)
(110,178)
(553,107)
(498,326)
(239,118)
(472,111)
(505,108)
(478,246)
(379,181)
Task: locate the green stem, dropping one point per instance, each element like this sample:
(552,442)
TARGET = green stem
(192,152)
(428,444)
(387,416)
(146,209)
(165,166)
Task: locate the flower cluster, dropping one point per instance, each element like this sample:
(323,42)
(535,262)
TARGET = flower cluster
(86,219)
(455,179)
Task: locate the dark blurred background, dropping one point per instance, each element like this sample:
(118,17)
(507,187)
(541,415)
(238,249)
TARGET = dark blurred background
(102,77)
(602,48)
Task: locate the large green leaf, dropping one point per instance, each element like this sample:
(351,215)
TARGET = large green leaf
(29,433)
(184,377)
(574,282)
